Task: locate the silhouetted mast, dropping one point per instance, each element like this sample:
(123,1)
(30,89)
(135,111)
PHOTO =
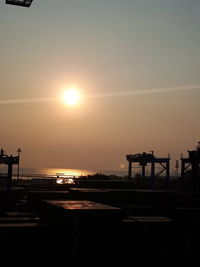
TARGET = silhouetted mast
(176,167)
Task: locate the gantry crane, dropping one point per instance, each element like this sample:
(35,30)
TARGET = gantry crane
(145,158)
(9,161)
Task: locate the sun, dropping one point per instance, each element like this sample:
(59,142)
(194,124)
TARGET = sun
(71,96)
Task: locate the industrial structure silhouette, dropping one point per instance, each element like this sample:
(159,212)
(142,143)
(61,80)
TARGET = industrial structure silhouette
(112,221)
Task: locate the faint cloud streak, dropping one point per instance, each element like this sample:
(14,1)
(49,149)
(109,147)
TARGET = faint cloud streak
(149,91)
(105,95)
(24,101)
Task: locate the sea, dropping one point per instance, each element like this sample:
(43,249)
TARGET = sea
(58,172)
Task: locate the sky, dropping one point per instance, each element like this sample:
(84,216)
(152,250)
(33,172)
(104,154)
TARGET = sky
(136,64)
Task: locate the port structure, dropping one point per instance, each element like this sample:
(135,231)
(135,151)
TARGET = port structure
(24,3)
(9,161)
(191,164)
(194,159)
(185,166)
(146,158)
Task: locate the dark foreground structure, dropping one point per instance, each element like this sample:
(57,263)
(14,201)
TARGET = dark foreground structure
(96,227)
(101,223)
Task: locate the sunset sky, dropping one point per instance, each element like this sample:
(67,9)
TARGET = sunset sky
(136,64)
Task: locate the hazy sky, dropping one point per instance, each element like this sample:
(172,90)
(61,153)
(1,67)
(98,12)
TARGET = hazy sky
(105,48)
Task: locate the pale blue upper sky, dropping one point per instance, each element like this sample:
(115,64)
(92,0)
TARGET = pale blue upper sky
(102,46)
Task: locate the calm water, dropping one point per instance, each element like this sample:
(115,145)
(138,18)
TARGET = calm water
(61,172)
(54,172)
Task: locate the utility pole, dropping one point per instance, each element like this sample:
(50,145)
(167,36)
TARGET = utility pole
(176,168)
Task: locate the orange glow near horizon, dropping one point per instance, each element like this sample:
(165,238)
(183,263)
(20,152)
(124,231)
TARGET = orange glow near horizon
(64,173)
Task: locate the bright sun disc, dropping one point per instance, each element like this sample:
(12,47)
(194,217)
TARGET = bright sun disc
(71,96)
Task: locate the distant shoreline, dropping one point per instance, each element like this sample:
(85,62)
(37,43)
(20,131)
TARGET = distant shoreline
(53,172)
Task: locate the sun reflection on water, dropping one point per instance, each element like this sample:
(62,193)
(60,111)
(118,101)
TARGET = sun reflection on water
(65,181)
(66,173)
(65,176)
